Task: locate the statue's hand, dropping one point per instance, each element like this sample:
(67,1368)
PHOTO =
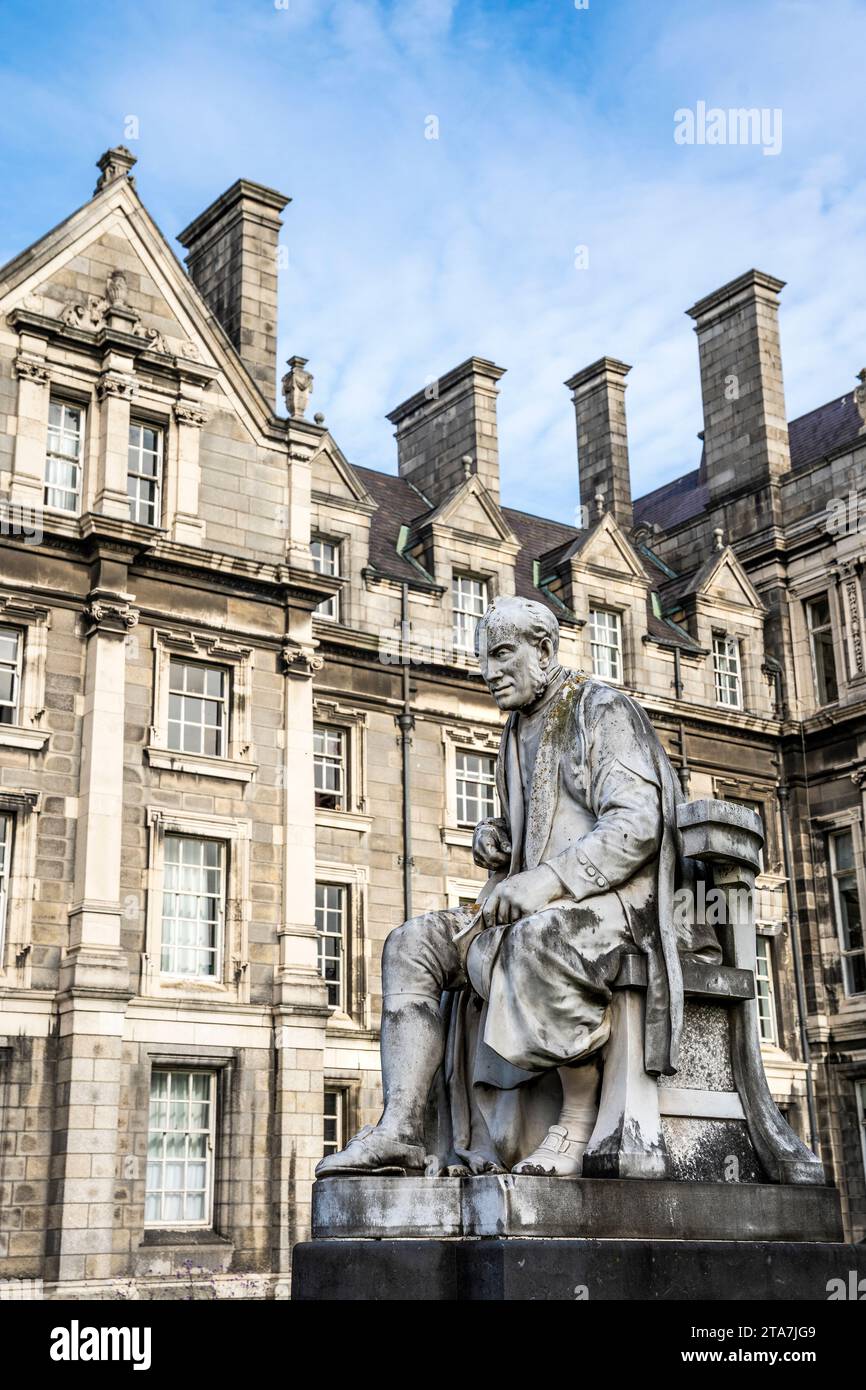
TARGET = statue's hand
(491,844)
(521,895)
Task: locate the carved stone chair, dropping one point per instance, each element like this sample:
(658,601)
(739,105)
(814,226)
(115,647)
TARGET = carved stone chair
(715,1120)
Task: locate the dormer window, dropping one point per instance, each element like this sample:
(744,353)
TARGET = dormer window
(469,602)
(326,560)
(726,672)
(605,636)
(63,457)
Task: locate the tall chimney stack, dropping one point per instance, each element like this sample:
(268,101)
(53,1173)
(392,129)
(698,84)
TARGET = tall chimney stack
(745,423)
(453,418)
(232,261)
(598,393)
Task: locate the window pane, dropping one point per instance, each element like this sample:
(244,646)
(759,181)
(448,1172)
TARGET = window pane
(331,926)
(178,1176)
(191,918)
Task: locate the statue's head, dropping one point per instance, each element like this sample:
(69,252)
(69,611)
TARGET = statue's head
(517,642)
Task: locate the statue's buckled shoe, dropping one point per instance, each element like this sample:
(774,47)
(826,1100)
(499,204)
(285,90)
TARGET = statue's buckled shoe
(371,1151)
(557,1156)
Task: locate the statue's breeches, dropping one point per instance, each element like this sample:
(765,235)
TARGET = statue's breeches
(546,978)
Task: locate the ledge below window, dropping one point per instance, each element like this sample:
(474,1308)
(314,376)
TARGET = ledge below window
(229,769)
(343,820)
(454,835)
(14,736)
(182,1254)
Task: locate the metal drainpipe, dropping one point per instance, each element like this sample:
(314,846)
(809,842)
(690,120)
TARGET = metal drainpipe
(783,793)
(685,773)
(406,723)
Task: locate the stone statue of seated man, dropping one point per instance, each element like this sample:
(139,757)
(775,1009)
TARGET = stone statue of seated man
(494,1017)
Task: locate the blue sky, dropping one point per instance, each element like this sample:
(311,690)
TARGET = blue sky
(555,131)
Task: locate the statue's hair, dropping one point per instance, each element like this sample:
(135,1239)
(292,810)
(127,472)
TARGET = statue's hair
(528,617)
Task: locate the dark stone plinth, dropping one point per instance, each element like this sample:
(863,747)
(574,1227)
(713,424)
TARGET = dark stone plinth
(412,1209)
(498,1270)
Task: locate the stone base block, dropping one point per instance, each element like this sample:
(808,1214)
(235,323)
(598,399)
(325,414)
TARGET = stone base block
(505,1270)
(599,1208)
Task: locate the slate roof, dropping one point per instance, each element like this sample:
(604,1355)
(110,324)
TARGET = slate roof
(813,437)
(399,504)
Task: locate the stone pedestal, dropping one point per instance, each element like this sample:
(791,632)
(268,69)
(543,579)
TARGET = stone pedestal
(515,1270)
(506,1237)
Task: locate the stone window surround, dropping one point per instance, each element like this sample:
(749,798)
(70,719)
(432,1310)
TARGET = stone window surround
(457,888)
(824,583)
(224,1062)
(596,604)
(33,622)
(353,723)
(210,649)
(824,826)
(16,935)
(741,637)
(356,878)
(860,1101)
(472,740)
(343,543)
(233,982)
(348,1082)
(173,406)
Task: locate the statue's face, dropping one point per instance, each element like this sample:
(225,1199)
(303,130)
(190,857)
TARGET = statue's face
(513,667)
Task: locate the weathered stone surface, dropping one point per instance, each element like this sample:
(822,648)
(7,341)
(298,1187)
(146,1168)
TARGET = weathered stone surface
(571,1271)
(410,1208)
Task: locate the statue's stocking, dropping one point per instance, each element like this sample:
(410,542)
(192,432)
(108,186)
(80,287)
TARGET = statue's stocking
(413,1044)
(579,1100)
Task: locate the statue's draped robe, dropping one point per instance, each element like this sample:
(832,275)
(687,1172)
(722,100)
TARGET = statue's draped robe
(600,812)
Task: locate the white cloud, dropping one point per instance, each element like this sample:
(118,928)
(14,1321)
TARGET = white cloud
(555,129)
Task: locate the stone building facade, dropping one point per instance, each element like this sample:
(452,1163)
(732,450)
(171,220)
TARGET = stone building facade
(243,733)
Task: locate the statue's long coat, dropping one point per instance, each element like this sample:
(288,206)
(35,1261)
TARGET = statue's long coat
(601,813)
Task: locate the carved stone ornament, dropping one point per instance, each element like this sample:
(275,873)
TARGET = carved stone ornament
(111,617)
(297,387)
(114,164)
(850,579)
(858,776)
(94,314)
(190,413)
(860,398)
(30,368)
(299,662)
(115,384)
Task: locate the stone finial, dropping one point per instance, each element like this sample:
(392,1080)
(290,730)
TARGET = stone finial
(297,387)
(467,463)
(718,538)
(860,398)
(114,164)
(599,504)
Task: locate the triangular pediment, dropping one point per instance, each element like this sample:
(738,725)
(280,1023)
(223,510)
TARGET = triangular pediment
(607,548)
(723,580)
(470,510)
(111,252)
(334,479)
